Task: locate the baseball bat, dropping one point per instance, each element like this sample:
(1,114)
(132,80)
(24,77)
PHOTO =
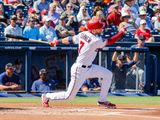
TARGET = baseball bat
(24,38)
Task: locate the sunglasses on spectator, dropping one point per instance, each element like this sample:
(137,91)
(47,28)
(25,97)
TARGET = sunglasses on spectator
(32,21)
(127,17)
(142,15)
(84,9)
(69,6)
(116,7)
(10,68)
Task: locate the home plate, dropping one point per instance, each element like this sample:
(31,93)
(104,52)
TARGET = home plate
(113,113)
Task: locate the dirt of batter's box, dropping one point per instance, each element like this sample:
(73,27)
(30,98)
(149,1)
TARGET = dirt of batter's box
(33,111)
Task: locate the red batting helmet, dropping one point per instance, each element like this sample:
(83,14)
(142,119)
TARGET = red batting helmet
(95,24)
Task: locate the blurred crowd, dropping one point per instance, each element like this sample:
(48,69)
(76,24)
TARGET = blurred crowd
(47,20)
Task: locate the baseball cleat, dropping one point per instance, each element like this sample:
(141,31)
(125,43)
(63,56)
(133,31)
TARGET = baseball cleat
(107,104)
(45,101)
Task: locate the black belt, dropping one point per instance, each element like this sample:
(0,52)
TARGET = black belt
(84,66)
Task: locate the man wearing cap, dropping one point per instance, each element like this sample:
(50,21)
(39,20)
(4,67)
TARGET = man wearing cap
(115,16)
(61,29)
(42,84)
(143,16)
(31,31)
(52,14)
(47,32)
(120,65)
(8,79)
(89,43)
(127,3)
(13,28)
(143,34)
(130,26)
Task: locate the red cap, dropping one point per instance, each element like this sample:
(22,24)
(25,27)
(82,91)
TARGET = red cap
(31,10)
(44,12)
(95,24)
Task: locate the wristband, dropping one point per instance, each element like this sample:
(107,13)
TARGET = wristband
(55,42)
(70,39)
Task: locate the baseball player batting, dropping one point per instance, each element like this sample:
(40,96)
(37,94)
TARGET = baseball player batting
(89,42)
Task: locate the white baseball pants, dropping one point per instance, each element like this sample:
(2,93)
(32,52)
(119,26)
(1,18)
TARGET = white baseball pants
(78,76)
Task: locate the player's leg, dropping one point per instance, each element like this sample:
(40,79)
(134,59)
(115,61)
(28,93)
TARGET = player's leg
(77,79)
(106,78)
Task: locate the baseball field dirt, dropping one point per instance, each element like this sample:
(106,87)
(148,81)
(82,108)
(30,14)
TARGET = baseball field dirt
(34,111)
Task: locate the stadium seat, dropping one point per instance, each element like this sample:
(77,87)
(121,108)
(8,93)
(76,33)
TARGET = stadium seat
(128,37)
(24,9)
(9,10)
(2,27)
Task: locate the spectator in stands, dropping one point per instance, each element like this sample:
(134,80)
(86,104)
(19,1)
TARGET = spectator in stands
(62,30)
(40,5)
(52,14)
(20,18)
(157,24)
(153,2)
(119,3)
(135,9)
(13,28)
(31,31)
(31,12)
(59,8)
(43,84)
(143,16)
(44,13)
(18,71)
(70,17)
(143,34)
(149,10)
(120,65)
(15,3)
(3,16)
(128,4)
(47,33)
(115,16)
(98,13)
(83,16)
(131,28)
(8,79)
(156,10)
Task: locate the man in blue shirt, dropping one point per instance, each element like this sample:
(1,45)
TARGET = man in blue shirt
(42,84)
(31,31)
(47,33)
(40,5)
(8,79)
(143,16)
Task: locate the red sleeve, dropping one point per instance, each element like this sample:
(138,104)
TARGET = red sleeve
(114,38)
(137,31)
(109,18)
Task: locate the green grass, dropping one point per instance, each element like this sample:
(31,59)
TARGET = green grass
(91,100)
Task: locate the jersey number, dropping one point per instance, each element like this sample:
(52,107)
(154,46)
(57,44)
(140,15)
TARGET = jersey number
(81,45)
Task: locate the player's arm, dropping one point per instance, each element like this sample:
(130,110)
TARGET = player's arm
(66,41)
(116,37)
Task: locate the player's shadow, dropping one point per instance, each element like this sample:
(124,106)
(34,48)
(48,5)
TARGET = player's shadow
(5,108)
(139,109)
